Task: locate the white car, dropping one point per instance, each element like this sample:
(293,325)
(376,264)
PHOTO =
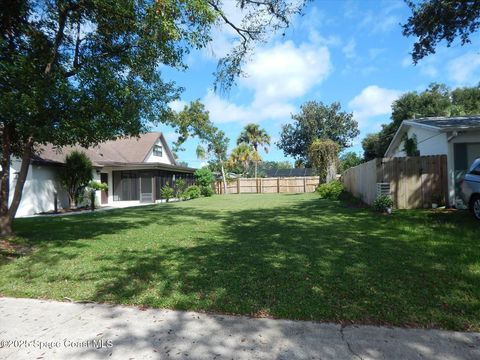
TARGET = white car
(471,188)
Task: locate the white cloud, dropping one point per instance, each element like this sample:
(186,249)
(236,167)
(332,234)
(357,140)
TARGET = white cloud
(276,75)
(383,20)
(224,111)
(286,71)
(372,101)
(177,105)
(349,49)
(465,69)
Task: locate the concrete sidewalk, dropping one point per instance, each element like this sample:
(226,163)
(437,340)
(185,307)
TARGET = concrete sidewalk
(35,329)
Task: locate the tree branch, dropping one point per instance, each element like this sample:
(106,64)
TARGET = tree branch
(62,20)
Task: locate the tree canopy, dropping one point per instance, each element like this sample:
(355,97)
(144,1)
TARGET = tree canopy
(317,120)
(434,21)
(85,71)
(436,100)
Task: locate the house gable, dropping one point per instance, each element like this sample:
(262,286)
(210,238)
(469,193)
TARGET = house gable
(430,141)
(160,153)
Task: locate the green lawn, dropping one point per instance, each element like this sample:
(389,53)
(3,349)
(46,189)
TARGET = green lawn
(289,256)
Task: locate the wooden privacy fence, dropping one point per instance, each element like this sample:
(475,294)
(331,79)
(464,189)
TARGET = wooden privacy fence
(269,185)
(413,182)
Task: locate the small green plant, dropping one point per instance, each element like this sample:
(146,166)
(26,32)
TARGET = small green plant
(192,192)
(206,191)
(180,186)
(383,203)
(167,192)
(95,185)
(331,190)
(204,177)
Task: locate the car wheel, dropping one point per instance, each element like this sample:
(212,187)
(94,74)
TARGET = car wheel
(475,206)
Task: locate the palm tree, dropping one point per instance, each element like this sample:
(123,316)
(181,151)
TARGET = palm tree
(256,137)
(243,154)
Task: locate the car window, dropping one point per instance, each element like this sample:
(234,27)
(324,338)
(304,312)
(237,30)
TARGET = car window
(476,170)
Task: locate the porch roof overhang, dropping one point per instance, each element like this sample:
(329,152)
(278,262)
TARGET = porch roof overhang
(146,166)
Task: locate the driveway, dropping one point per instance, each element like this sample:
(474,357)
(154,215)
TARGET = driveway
(36,329)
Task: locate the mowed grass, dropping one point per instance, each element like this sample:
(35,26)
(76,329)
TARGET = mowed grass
(289,256)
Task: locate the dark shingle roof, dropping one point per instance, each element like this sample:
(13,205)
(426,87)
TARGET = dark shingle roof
(455,122)
(125,150)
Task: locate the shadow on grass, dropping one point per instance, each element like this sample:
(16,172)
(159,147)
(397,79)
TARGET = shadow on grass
(311,260)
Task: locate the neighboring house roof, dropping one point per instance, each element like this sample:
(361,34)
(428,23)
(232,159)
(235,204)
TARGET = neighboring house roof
(132,150)
(289,172)
(447,123)
(437,124)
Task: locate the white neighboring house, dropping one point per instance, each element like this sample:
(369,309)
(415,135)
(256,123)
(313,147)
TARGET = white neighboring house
(135,170)
(456,137)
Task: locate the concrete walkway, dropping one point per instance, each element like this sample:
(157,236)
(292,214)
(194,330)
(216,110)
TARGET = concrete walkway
(91,331)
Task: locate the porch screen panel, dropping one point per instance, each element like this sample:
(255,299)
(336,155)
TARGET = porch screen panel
(126,186)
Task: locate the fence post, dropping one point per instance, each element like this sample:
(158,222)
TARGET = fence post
(278,185)
(238,186)
(304,184)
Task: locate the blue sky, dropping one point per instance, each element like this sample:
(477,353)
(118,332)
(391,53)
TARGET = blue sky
(347,51)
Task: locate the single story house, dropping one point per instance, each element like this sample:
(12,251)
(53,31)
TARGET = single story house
(457,137)
(134,168)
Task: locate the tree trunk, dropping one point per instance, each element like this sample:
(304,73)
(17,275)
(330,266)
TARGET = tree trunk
(256,164)
(331,172)
(224,178)
(22,176)
(5,226)
(5,223)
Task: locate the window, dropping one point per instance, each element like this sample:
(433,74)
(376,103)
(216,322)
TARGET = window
(476,170)
(158,150)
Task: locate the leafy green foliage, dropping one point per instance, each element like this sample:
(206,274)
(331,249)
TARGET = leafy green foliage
(180,186)
(317,121)
(410,146)
(207,191)
(382,203)
(192,192)
(331,190)
(242,156)
(255,136)
(323,155)
(97,186)
(76,174)
(349,160)
(204,177)
(166,192)
(434,21)
(437,100)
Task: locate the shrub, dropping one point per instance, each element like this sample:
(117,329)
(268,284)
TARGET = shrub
(382,203)
(331,190)
(180,185)
(204,177)
(76,175)
(206,191)
(192,192)
(166,192)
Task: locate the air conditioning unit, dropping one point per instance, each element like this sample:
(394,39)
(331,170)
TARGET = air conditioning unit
(383,189)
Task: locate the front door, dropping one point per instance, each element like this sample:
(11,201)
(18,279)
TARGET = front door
(104,193)
(146,188)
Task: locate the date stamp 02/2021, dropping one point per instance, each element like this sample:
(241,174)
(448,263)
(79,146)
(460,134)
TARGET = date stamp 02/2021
(99,343)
